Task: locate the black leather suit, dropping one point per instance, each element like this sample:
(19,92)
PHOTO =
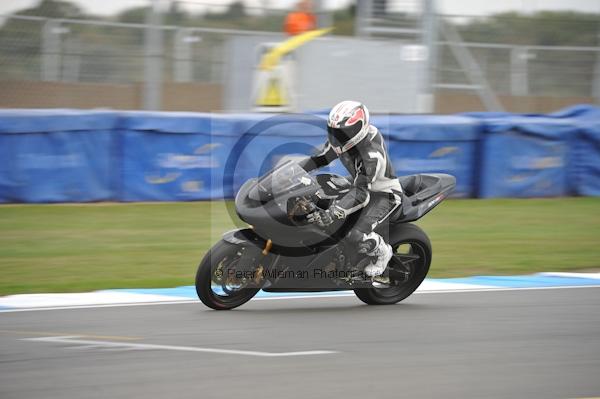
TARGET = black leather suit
(375,186)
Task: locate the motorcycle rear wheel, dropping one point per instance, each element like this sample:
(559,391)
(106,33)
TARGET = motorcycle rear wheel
(211,278)
(412,253)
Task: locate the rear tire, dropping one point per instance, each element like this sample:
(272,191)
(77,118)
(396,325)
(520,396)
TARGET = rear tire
(206,277)
(417,261)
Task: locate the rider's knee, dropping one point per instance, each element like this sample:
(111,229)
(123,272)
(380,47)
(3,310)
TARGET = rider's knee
(355,236)
(361,240)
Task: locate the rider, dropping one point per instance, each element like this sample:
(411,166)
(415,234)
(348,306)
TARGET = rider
(375,189)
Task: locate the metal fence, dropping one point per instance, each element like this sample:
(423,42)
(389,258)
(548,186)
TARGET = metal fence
(501,62)
(104,52)
(141,57)
(526,70)
(127,65)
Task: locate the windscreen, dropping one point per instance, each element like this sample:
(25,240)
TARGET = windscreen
(286,178)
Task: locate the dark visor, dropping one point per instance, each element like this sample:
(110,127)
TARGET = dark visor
(341,136)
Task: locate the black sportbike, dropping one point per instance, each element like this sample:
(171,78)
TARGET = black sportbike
(282,252)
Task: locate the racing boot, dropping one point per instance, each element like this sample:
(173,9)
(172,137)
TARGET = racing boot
(381,253)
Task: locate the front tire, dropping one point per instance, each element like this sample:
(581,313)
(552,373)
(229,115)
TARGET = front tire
(211,281)
(412,256)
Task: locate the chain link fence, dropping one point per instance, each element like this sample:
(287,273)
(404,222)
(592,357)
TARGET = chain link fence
(85,63)
(510,64)
(81,63)
(100,52)
(526,70)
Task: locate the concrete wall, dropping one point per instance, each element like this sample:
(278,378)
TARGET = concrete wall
(207,97)
(453,101)
(199,97)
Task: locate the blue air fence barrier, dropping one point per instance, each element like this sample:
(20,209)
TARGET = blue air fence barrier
(584,170)
(75,156)
(579,126)
(433,144)
(526,156)
(183,156)
(170,157)
(57,156)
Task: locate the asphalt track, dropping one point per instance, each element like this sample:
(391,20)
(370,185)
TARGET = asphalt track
(503,344)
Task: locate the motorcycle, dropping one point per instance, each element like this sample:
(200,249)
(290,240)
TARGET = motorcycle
(281,251)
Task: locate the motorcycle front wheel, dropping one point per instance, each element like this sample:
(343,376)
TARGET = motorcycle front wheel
(409,264)
(217,285)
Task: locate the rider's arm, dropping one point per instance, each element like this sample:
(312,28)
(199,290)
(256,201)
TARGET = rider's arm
(324,157)
(358,197)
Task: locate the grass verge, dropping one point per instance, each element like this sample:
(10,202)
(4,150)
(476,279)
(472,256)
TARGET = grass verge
(70,248)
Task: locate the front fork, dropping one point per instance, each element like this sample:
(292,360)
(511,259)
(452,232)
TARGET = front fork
(255,257)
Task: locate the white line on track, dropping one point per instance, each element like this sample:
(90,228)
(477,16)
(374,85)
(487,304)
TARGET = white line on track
(87,344)
(339,295)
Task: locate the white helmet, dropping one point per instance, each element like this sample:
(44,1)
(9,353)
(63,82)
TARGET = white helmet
(347,125)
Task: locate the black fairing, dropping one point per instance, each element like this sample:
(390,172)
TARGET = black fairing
(270,218)
(300,246)
(422,193)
